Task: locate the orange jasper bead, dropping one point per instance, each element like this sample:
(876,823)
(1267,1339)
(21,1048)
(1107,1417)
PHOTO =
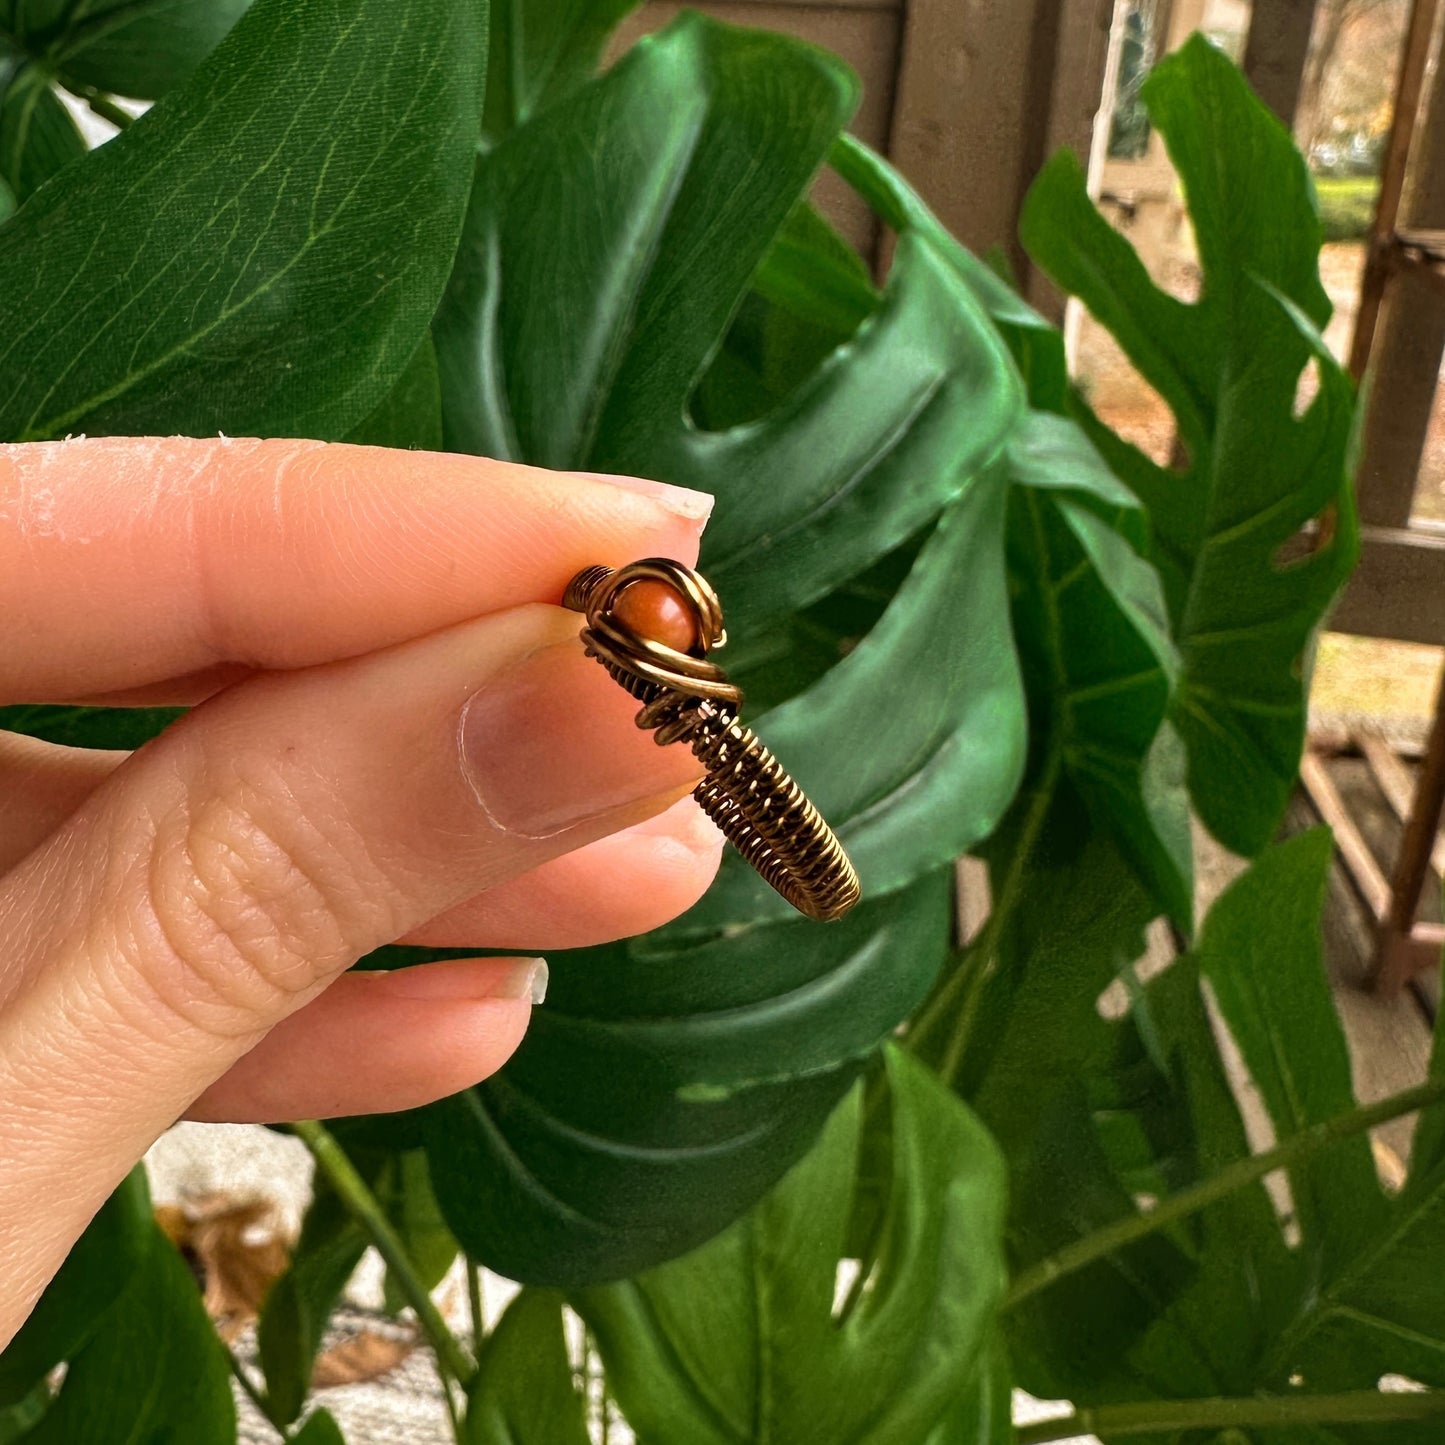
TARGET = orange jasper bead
(656,611)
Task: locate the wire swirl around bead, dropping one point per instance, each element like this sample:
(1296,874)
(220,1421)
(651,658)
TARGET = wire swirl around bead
(686,698)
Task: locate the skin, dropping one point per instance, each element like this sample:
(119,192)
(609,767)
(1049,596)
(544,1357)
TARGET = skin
(395,736)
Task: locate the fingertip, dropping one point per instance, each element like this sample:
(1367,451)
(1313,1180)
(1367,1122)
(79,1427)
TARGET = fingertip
(626,883)
(376,1043)
(691,505)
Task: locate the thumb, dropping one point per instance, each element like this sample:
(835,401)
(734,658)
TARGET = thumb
(225,874)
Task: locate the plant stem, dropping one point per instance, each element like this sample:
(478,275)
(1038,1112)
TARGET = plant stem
(256,1397)
(1243,1172)
(453,1414)
(474,1302)
(1360,1407)
(938,1011)
(100,103)
(351,1187)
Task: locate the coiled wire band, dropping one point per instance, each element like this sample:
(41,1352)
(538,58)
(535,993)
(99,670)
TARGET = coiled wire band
(687,699)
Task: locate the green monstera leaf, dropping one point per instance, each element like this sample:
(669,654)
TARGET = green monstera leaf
(344,186)
(150,1366)
(913,745)
(523,1392)
(579,319)
(661,1092)
(1242,610)
(1090,620)
(771,1357)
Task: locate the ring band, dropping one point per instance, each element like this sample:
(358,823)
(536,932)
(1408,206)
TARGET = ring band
(685,698)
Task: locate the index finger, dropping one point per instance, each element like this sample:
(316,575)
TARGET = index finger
(126,561)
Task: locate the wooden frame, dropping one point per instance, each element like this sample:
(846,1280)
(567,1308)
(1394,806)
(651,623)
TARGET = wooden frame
(1404,948)
(1399,588)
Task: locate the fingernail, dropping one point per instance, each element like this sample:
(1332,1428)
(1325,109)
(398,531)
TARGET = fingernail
(684,824)
(695,506)
(524,978)
(457,980)
(551,743)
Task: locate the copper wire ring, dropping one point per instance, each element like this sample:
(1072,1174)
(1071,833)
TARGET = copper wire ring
(687,699)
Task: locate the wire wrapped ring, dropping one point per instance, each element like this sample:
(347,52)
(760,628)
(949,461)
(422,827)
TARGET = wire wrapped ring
(686,698)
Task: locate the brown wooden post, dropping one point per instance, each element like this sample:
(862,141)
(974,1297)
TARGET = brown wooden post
(1408,337)
(985,89)
(1274,54)
(1398,959)
(1409,85)
(962,111)
(1081,60)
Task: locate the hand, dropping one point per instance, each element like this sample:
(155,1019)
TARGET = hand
(397,738)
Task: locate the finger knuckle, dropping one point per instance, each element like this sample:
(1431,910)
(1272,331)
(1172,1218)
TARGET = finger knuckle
(253,900)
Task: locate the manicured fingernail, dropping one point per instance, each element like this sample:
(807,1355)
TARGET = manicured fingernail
(551,743)
(695,506)
(458,980)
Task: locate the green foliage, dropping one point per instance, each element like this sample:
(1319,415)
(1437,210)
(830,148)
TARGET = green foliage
(405,1192)
(770,1358)
(37,134)
(116,45)
(128,309)
(142,1358)
(319,1429)
(540,51)
(1226,1306)
(1097,650)
(523,1392)
(908,787)
(970,618)
(410,414)
(300,1301)
(1242,613)
(587,352)
(1261,956)
(81,1295)
(664,1089)
(1429,1143)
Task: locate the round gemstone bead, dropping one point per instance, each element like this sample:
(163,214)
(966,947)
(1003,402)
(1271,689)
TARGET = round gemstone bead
(656,611)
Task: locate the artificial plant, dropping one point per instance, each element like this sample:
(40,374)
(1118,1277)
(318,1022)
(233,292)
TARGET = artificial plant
(970,619)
